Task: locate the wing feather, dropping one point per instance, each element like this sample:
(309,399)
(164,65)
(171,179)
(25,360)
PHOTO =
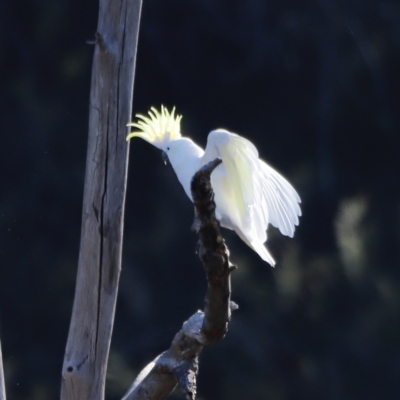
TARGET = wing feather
(239,168)
(282,199)
(253,194)
(242,167)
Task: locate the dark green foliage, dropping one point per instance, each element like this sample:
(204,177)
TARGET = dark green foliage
(315,86)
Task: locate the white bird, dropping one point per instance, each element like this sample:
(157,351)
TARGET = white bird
(248,193)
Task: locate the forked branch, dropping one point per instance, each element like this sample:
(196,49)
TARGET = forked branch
(179,364)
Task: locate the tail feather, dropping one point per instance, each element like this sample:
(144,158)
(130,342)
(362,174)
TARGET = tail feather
(262,251)
(257,246)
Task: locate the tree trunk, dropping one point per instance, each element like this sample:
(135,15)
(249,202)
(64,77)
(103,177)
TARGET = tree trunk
(99,265)
(2,384)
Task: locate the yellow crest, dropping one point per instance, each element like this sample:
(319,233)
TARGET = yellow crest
(159,129)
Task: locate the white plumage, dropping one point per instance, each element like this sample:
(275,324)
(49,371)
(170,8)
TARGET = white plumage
(249,194)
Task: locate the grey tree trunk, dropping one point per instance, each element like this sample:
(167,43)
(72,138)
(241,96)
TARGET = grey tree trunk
(99,265)
(2,385)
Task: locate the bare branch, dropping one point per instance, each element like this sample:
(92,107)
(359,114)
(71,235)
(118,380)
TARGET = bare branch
(215,257)
(179,364)
(99,263)
(2,384)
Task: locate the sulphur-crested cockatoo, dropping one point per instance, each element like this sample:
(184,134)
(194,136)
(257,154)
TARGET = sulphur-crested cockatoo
(249,194)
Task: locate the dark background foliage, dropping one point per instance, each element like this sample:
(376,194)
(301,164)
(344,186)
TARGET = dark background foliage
(314,84)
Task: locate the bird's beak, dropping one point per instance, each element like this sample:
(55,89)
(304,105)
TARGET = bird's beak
(164,157)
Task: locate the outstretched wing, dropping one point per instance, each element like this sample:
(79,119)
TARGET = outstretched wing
(282,200)
(256,194)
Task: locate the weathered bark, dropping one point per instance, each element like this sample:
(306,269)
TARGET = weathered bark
(86,355)
(2,384)
(215,257)
(179,364)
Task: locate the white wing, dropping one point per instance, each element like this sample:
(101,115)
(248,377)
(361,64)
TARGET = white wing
(282,200)
(249,193)
(232,181)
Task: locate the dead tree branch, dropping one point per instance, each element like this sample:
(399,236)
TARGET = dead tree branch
(86,355)
(179,364)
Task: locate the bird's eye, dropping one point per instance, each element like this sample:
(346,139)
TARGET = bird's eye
(167,148)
